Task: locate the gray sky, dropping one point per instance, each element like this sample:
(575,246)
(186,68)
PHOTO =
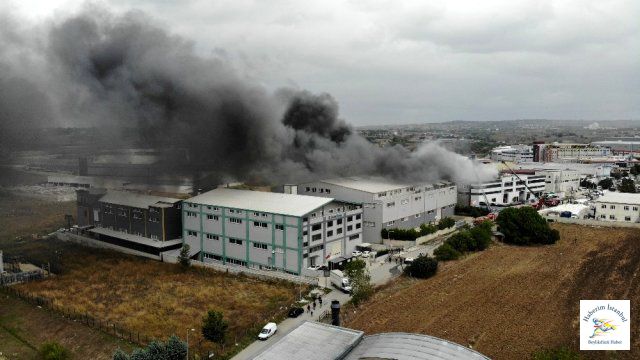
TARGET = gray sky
(392,62)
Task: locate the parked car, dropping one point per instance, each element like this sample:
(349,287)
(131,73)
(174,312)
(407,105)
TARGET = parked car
(408,261)
(268,331)
(356,253)
(366,254)
(295,312)
(314,267)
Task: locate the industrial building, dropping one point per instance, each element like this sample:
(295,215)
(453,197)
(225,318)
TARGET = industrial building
(318,341)
(287,232)
(140,222)
(560,181)
(387,204)
(621,145)
(616,206)
(561,152)
(512,153)
(503,191)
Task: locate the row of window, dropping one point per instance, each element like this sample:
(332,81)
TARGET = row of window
(627,208)
(321,190)
(613,217)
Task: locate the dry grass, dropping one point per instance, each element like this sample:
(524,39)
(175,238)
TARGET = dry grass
(510,301)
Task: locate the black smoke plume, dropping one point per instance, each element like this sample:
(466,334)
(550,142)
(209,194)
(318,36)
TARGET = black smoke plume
(100,69)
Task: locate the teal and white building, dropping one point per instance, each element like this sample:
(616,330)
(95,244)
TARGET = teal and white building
(256,229)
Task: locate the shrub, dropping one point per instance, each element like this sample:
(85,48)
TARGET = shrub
(214,327)
(173,349)
(426,229)
(53,351)
(562,353)
(524,226)
(462,241)
(627,186)
(446,223)
(446,252)
(481,233)
(471,211)
(422,267)
(183,258)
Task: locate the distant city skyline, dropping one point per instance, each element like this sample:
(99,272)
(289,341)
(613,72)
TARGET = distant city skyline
(391,63)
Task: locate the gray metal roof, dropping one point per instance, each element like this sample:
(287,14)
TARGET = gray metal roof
(403,346)
(135,200)
(372,184)
(275,203)
(313,340)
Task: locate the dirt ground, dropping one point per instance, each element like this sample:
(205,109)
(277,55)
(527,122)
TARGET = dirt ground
(508,302)
(23,327)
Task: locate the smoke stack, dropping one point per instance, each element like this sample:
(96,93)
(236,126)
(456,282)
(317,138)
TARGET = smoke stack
(335,313)
(83,167)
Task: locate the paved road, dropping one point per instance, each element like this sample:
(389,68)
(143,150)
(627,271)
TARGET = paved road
(289,324)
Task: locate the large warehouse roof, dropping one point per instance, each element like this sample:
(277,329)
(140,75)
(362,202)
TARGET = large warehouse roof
(312,340)
(275,203)
(373,184)
(135,200)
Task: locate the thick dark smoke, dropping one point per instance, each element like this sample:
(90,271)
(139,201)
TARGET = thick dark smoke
(99,69)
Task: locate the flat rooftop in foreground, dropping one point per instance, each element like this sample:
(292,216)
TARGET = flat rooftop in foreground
(313,340)
(619,198)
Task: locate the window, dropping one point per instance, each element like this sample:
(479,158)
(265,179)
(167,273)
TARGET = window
(321,190)
(235,241)
(256,214)
(137,214)
(627,218)
(390,223)
(330,233)
(260,224)
(339,221)
(235,220)
(307,189)
(626,208)
(191,214)
(358,225)
(122,212)
(260,246)
(316,237)
(329,223)
(193,206)
(612,206)
(635,208)
(212,217)
(212,237)
(316,248)
(418,215)
(328,191)
(279,227)
(404,219)
(612,217)
(313,189)
(192,233)
(354,237)
(350,218)
(358,217)
(391,204)
(418,198)
(316,227)
(603,216)
(339,231)
(404,202)
(350,227)
(603,206)
(305,233)
(209,208)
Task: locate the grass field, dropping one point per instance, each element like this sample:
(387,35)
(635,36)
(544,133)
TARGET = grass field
(142,295)
(508,302)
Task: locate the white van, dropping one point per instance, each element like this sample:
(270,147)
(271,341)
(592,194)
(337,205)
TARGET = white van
(267,331)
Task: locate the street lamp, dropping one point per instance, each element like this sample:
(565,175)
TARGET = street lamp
(188,330)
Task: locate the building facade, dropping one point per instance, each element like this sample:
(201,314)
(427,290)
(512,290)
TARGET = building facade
(140,222)
(386,204)
(513,153)
(504,191)
(286,232)
(561,152)
(615,206)
(560,181)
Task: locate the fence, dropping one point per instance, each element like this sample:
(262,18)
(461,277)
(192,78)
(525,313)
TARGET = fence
(105,326)
(26,276)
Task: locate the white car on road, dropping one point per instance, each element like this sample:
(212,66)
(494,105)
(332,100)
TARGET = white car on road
(366,254)
(267,331)
(356,253)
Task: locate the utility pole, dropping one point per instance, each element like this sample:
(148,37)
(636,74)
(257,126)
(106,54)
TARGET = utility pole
(188,330)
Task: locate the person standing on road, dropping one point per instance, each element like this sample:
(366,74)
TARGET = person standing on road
(308,308)
(320,300)
(314,305)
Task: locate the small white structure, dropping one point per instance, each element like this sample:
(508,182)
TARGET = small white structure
(503,191)
(616,206)
(574,211)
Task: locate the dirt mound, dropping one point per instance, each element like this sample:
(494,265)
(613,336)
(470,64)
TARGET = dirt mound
(509,301)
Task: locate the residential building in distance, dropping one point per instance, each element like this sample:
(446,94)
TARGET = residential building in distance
(387,204)
(620,146)
(503,191)
(513,153)
(140,222)
(616,206)
(287,232)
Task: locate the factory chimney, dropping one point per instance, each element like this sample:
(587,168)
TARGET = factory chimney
(335,313)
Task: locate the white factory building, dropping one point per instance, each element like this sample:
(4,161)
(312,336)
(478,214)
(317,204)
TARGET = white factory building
(387,204)
(616,206)
(286,232)
(560,181)
(513,153)
(503,191)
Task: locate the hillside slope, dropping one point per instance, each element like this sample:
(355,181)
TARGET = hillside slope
(509,301)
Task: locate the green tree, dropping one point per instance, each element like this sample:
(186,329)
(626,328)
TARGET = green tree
(481,233)
(184,258)
(606,183)
(422,267)
(53,351)
(446,223)
(627,186)
(173,349)
(446,252)
(214,327)
(361,288)
(635,170)
(524,226)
